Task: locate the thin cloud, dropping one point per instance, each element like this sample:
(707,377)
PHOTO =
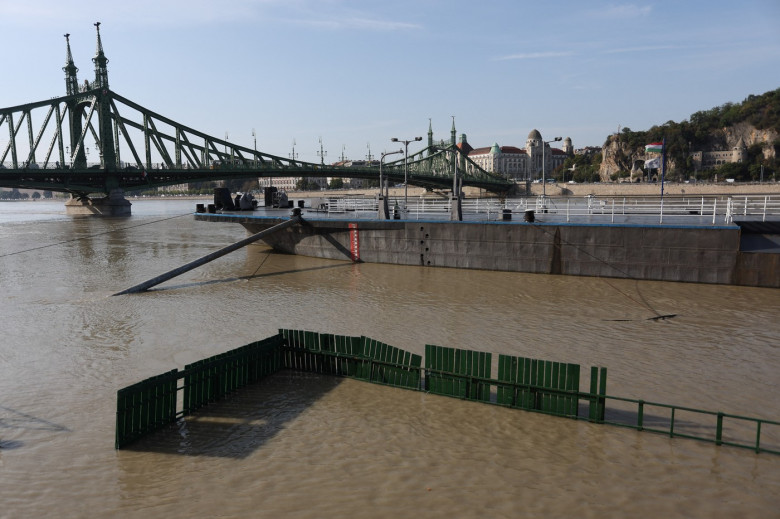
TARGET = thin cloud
(623,11)
(534,55)
(357,23)
(648,48)
(204,12)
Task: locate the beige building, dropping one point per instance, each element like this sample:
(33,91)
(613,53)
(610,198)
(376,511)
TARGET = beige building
(521,164)
(713,159)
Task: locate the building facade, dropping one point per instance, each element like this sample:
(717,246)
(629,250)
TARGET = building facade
(712,159)
(537,159)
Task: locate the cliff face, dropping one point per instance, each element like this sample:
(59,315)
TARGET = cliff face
(619,156)
(750,136)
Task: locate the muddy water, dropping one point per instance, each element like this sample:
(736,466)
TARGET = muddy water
(309,446)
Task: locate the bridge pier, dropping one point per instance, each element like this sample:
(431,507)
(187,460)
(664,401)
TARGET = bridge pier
(115,204)
(384,210)
(456,209)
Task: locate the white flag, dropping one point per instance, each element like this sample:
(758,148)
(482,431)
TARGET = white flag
(653,163)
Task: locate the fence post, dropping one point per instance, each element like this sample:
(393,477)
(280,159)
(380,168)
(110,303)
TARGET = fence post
(641,415)
(719,430)
(594,384)
(602,393)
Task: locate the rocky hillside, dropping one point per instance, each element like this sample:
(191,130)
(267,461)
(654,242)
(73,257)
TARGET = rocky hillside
(755,122)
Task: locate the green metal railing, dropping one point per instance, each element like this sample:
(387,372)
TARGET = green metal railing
(153,404)
(355,357)
(719,433)
(530,384)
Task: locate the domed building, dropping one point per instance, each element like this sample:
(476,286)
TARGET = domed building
(522,164)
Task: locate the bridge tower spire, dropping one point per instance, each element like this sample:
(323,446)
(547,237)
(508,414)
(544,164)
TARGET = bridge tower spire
(100,61)
(430,137)
(108,152)
(453,132)
(71,78)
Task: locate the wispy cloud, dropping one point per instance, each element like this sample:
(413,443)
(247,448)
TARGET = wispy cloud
(647,48)
(534,55)
(326,15)
(622,11)
(359,23)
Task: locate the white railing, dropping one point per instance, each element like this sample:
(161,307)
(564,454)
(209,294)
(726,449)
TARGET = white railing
(694,210)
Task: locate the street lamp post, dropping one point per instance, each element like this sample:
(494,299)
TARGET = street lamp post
(406,164)
(384,211)
(544,180)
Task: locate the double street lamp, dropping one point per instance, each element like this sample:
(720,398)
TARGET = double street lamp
(383,209)
(544,180)
(406,163)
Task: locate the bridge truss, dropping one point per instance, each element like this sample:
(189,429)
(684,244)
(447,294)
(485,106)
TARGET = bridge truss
(50,143)
(134,148)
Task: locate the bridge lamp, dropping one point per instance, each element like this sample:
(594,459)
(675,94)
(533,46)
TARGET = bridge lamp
(544,181)
(381,161)
(406,163)
(254,136)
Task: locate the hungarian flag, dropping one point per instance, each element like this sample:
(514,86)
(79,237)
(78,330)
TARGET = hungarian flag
(654,147)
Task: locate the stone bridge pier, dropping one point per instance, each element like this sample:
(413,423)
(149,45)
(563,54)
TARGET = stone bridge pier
(115,204)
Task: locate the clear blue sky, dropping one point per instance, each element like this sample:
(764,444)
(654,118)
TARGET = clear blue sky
(358,72)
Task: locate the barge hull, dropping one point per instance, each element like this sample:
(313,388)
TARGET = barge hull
(705,254)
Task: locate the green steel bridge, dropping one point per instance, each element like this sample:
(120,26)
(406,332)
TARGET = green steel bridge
(134,148)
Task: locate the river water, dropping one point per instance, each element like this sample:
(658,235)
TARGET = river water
(313,446)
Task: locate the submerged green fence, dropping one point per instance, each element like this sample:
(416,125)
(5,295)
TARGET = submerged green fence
(355,357)
(522,383)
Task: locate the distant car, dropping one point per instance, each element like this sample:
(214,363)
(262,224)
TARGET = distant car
(572,182)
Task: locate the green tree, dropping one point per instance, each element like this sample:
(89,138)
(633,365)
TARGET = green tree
(736,170)
(306,184)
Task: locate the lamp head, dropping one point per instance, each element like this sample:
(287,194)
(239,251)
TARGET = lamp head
(418,138)
(394,139)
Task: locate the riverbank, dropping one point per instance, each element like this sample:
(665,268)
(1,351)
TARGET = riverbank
(599,189)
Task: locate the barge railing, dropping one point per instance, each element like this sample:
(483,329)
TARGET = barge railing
(699,210)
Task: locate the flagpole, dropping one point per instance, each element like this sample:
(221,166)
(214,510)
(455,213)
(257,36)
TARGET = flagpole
(663,176)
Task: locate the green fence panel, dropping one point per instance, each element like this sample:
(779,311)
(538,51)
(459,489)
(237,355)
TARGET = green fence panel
(458,373)
(210,379)
(598,391)
(538,385)
(384,364)
(145,407)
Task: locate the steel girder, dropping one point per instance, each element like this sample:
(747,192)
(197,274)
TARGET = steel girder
(117,127)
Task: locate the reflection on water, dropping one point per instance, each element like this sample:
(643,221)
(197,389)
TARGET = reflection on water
(309,446)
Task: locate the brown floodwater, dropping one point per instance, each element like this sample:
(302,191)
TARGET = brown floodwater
(301,445)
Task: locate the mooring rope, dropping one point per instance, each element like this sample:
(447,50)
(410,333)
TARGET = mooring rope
(658,316)
(92,235)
